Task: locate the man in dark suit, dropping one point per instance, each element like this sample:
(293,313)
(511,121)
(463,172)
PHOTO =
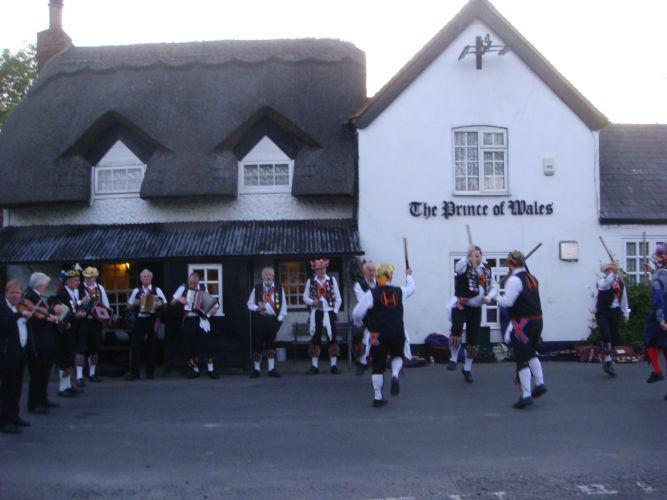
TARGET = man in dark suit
(14,347)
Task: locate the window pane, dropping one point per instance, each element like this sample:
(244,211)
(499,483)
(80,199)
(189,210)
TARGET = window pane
(473,169)
(500,170)
(631,248)
(471,154)
(460,169)
(459,154)
(632,266)
(487,139)
(499,156)
(488,168)
(473,184)
(500,183)
(266,175)
(632,278)
(499,139)
(459,138)
(134,179)
(282,180)
(212,275)
(461,184)
(213,288)
(282,169)
(492,315)
(488,182)
(471,138)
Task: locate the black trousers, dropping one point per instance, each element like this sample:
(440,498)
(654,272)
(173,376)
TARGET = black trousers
(198,341)
(39,367)
(382,344)
(143,334)
(609,324)
(66,346)
(10,389)
(525,337)
(264,331)
(89,337)
(472,318)
(316,339)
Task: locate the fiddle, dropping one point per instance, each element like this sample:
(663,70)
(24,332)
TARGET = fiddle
(37,311)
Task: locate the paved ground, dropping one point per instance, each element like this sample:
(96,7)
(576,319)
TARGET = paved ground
(318,437)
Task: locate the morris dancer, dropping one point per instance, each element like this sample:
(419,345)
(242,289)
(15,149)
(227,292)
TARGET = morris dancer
(473,283)
(360,288)
(522,298)
(611,306)
(323,297)
(69,296)
(655,333)
(388,330)
(269,309)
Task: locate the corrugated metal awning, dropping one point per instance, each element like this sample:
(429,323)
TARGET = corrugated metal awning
(32,244)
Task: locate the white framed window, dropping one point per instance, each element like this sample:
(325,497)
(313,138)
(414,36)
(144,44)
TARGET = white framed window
(636,251)
(499,269)
(480,160)
(210,275)
(293,276)
(266,169)
(118,174)
(117,279)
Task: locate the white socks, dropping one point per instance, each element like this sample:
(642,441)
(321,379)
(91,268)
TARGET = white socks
(272,363)
(607,358)
(209,366)
(524,377)
(257,365)
(315,362)
(334,359)
(79,372)
(455,353)
(362,359)
(396,365)
(64,381)
(378,382)
(196,369)
(467,366)
(536,368)
(91,370)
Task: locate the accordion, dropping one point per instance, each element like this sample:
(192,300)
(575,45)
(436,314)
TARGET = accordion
(200,301)
(102,315)
(148,304)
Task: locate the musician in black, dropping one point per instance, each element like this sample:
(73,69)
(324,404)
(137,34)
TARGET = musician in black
(43,333)
(387,336)
(610,309)
(146,325)
(362,335)
(196,328)
(15,347)
(268,311)
(68,295)
(89,336)
(522,298)
(323,297)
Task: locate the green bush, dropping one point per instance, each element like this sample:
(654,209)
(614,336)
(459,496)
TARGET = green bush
(632,332)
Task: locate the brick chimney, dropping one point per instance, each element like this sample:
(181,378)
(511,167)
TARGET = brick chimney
(53,41)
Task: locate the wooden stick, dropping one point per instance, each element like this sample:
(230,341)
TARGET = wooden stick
(469,235)
(533,250)
(645,251)
(405,253)
(611,256)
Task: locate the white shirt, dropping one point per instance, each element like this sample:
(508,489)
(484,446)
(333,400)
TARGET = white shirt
(366,303)
(213,312)
(513,288)
(21,323)
(252,305)
(604,283)
(338,301)
(358,291)
(477,301)
(145,291)
(104,300)
(74,297)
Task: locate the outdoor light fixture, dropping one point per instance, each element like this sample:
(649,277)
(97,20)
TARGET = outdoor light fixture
(569,251)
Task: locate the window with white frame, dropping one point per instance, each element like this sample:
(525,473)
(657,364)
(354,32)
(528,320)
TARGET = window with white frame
(499,269)
(293,276)
(637,252)
(210,275)
(265,169)
(118,174)
(118,279)
(480,160)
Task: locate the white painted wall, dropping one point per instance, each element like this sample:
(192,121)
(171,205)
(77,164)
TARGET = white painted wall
(132,209)
(406,155)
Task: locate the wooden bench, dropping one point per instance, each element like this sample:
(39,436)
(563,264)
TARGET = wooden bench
(301,336)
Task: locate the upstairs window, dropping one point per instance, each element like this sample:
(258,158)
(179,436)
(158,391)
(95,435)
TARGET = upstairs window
(119,174)
(265,169)
(480,160)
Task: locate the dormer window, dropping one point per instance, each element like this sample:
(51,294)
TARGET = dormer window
(480,160)
(118,174)
(266,169)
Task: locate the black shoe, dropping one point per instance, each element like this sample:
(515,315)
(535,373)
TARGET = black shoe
(8,428)
(395,386)
(451,366)
(361,369)
(38,410)
(193,374)
(608,368)
(132,377)
(467,375)
(75,391)
(80,382)
(655,377)
(523,403)
(49,404)
(19,422)
(273,373)
(538,391)
(66,394)
(95,379)
(665,397)
(379,403)
(335,370)
(213,375)
(313,370)
(255,374)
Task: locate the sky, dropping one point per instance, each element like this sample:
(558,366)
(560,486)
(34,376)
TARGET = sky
(612,51)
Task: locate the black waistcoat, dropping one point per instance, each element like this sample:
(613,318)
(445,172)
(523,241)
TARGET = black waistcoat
(387,316)
(528,302)
(606,297)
